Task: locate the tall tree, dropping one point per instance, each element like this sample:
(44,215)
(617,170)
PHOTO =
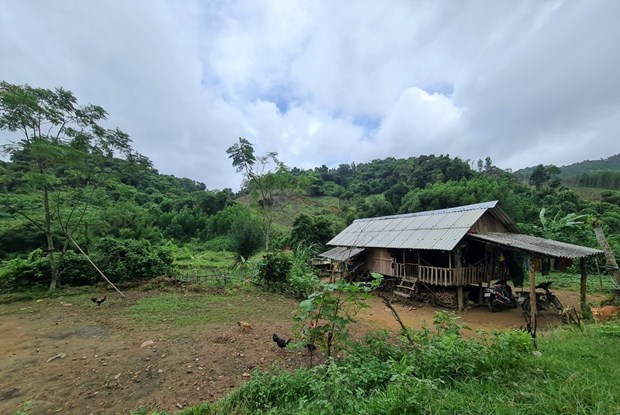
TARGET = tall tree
(59,139)
(545,175)
(264,176)
(539,176)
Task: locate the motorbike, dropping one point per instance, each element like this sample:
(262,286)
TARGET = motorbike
(499,294)
(544,300)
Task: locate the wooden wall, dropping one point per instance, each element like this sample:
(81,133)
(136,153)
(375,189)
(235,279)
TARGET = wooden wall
(379,260)
(488,223)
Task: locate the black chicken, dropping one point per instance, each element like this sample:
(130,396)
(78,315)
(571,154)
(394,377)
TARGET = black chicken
(98,300)
(280,341)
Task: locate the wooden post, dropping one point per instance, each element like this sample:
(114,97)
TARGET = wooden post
(584,284)
(480,292)
(533,310)
(459,297)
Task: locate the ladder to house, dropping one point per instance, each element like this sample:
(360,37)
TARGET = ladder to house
(405,289)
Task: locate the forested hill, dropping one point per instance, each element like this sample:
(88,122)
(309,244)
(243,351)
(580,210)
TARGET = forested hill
(611,163)
(589,166)
(602,174)
(70,182)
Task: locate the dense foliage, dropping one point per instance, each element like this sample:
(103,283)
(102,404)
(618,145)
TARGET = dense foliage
(78,183)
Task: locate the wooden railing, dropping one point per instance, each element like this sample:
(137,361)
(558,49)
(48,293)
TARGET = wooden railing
(405,270)
(439,275)
(433,275)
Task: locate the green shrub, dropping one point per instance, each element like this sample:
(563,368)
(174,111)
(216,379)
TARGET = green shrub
(302,278)
(20,273)
(127,260)
(273,269)
(218,244)
(246,236)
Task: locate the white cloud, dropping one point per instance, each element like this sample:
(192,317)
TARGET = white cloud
(327,82)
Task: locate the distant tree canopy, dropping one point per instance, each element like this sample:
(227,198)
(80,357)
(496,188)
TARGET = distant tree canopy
(390,174)
(312,230)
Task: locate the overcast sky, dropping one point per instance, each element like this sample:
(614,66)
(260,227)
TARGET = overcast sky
(329,82)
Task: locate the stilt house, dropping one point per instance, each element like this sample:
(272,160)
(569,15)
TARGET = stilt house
(453,247)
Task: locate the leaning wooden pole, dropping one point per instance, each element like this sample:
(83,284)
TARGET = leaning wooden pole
(95,266)
(610,258)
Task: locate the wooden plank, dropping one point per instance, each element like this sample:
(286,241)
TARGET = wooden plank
(402,294)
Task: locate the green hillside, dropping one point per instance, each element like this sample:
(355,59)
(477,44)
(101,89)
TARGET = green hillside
(75,183)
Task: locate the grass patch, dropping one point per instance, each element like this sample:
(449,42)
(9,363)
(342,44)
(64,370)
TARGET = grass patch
(595,283)
(40,293)
(181,309)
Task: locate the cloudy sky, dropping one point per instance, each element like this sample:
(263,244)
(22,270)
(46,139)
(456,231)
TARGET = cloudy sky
(329,82)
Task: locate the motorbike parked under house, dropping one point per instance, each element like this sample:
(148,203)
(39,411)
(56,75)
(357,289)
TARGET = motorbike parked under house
(544,300)
(498,295)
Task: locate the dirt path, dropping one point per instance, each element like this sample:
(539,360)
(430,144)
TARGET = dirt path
(102,365)
(378,316)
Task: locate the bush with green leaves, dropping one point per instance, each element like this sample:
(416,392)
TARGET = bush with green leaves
(246,236)
(128,260)
(19,273)
(272,270)
(325,316)
(302,278)
(382,376)
(22,273)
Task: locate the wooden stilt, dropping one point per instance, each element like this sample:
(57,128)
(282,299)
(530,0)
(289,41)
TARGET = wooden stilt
(583,301)
(459,297)
(533,309)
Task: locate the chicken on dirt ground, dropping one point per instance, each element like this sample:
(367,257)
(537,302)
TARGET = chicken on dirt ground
(280,341)
(98,301)
(244,325)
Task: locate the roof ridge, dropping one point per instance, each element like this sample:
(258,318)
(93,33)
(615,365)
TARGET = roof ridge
(476,206)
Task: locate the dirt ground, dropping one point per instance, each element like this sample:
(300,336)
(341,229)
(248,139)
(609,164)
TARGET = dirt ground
(92,360)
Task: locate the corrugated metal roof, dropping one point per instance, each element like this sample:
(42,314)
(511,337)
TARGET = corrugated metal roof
(436,229)
(546,247)
(341,253)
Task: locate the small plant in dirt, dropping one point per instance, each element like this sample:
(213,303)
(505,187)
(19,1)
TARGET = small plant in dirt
(24,409)
(324,317)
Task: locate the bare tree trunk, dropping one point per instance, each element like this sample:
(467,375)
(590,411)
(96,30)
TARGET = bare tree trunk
(50,239)
(267,234)
(610,258)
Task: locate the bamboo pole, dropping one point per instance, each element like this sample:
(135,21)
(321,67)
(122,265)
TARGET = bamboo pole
(95,266)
